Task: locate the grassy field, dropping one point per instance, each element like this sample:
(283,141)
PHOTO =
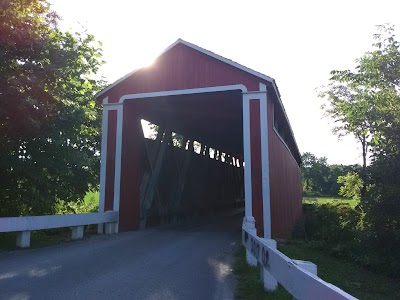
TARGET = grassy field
(353,279)
(329,200)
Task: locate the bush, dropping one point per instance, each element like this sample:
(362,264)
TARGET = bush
(331,222)
(349,233)
(89,204)
(382,212)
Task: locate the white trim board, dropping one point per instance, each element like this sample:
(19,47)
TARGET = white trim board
(103,157)
(223,88)
(247,158)
(265,162)
(119,130)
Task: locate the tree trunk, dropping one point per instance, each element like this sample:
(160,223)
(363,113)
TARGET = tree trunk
(364,167)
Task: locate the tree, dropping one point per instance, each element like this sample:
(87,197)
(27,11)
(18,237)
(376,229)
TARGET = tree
(348,108)
(315,173)
(351,187)
(370,104)
(365,102)
(340,170)
(321,178)
(49,121)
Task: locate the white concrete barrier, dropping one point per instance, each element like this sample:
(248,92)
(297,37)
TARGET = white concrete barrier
(299,278)
(24,225)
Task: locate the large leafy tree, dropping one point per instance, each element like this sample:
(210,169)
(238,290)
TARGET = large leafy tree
(315,173)
(49,121)
(320,178)
(365,102)
(370,107)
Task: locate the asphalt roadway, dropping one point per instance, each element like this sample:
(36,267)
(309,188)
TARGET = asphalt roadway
(181,262)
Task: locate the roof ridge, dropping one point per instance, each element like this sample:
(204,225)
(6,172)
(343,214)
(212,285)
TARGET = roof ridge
(228,60)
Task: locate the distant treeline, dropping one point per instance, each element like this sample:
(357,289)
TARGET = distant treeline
(321,179)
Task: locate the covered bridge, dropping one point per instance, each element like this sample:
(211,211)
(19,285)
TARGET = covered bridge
(223,137)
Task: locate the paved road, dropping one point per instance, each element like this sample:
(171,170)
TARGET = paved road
(171,263)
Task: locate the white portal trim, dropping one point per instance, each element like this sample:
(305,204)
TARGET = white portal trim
(103,162)
(265,161)
(118,161)
(248,196)
(248,221)
(111,106)
(213,89)
(103,158)
(120,112)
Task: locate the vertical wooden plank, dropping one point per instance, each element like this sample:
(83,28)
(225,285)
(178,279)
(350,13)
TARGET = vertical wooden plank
(285,179)
(110,165)
(256,167)
(131,168)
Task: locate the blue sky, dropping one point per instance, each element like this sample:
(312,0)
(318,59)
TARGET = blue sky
(296,42)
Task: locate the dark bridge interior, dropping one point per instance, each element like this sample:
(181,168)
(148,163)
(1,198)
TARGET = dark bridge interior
(193,166)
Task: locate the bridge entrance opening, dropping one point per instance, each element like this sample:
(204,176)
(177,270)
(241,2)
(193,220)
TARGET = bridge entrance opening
(187,160)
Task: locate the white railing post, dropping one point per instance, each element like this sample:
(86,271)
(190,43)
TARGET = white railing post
(269,281)
(306,265)
(77,232)
(23,239)
(248,222)
(109,228)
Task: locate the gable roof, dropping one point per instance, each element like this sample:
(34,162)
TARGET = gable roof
(222,59)
(204,51)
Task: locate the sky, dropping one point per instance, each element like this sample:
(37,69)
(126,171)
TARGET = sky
(297,43)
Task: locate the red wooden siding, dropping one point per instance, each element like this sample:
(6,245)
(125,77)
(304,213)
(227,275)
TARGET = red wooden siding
(182,68)
(132,157)
(110,166)
(256,167)
(285,183)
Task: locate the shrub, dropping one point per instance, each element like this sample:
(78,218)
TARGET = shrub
(353,234)
(331,222)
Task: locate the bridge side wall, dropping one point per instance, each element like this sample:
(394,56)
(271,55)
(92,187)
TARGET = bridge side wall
(285,182)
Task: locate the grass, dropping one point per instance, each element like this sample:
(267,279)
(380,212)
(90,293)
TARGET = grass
(348,276)
(329,200)
(39,239)
(249,285)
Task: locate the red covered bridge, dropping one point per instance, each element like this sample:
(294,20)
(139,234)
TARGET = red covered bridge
(235,142)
